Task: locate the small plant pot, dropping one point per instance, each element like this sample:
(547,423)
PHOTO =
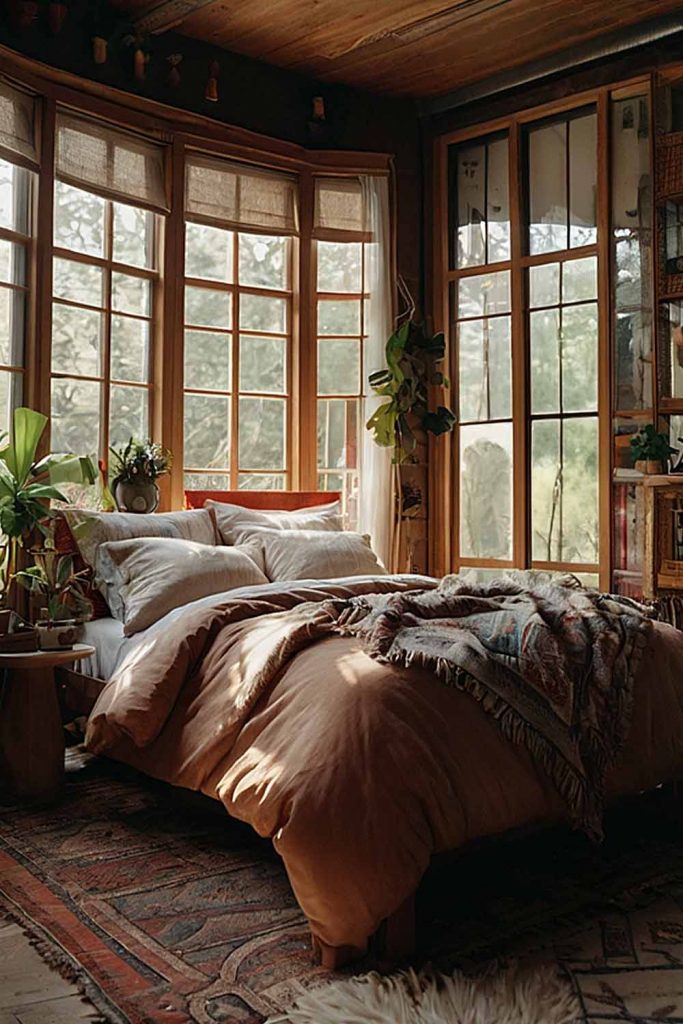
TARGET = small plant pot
(57,634)
(650,467)
(142,497)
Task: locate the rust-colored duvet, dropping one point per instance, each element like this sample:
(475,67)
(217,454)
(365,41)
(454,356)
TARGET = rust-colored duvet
(358,771)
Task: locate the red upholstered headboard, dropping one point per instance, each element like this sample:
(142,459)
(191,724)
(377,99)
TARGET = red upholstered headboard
(286,501)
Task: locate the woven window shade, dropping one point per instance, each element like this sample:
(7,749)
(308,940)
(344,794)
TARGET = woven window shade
(340,210)
(111,163)
(235,195)
(17,124)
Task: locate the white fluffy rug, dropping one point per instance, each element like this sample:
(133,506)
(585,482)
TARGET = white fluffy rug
(530,994)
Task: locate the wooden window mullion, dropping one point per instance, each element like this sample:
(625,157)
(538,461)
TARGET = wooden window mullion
(519,326)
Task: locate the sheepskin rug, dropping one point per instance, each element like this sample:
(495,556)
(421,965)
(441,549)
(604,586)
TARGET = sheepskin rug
(519,994)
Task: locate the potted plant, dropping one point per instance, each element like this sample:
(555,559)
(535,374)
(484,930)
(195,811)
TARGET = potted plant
(650,450)
(61,591)
(413,356)
(136,470)
(27,485)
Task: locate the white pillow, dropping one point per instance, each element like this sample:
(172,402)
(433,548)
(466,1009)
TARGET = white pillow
(314,554)
(90,529)
(146,577)
(231,517)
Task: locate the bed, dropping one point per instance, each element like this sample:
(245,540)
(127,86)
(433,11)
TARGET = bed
(360,772)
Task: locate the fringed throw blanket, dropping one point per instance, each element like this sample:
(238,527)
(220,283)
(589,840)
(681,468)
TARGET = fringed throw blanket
(554,665)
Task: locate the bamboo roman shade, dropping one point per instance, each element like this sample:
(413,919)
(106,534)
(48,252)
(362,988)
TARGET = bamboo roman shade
(340,210)
(17,124)
(112,163)
(235,195)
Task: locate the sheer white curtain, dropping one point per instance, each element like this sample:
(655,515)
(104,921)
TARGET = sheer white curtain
(376,506)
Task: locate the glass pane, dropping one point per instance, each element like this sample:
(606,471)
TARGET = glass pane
(498,202)
(128,415)
(631,285)
(580,280)
(338,430)
(484,369)
(79,282)
(208,253)
(262,432)
(544,285)
(12,305)
(631,163)
(580,491)
(14,197)
(264,261)
(130,294)
(133,236)
(12,262)
(207,431)
(545,360)
(633,353)
(580,358)
(75,417)
(471,192)
(546,490)
(10,397)
(206,306)
(76,340)
(486,491)
(208,360)
(583,154)
(548,188)
(484,294)
(129,349)
(207,481)
(338,317)
(261,313)
(340,266)
(79,220)
(338,367)
(565,490)
(261,481)
(674,355)
(262,364)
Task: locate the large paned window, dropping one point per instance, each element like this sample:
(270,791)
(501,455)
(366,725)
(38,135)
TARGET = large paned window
(240,243)
(527,481)
(17,156)
(341,233)
(105,273)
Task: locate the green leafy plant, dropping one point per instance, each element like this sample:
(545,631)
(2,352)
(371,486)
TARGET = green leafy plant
(28,484)
(61,589)
(140,462)
(649,445)
(413,356)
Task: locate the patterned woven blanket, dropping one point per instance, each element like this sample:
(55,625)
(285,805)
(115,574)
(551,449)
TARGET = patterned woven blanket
(553,664)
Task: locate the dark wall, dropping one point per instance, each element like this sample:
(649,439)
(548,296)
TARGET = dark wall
(252,95)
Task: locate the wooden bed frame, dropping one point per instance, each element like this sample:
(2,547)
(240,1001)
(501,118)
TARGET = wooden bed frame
(284,501)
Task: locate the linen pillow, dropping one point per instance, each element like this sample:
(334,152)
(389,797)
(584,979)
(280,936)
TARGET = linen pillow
(90,529)
(231,517)
(147,577)
(314,554)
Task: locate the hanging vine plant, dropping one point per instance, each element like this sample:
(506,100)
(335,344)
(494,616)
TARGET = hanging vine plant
(413,358)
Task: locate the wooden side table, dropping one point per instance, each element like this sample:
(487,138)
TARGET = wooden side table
(31,733)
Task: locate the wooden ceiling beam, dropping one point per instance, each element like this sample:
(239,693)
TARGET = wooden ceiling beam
(160,17)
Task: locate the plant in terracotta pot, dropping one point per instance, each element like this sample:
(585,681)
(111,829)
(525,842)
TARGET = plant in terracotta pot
(137,467)
(650,450)
(61,592)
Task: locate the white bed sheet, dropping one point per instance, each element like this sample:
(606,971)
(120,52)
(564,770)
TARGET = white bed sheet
(112,647)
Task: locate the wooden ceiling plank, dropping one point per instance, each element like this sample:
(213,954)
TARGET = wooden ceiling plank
(159,17)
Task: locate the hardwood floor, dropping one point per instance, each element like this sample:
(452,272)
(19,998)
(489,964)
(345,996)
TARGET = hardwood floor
(30,991)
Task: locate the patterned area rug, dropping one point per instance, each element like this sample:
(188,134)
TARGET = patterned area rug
(167,911)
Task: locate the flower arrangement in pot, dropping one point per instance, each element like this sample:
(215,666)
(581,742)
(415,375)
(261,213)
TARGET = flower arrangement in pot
(650,450)
(137,467)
